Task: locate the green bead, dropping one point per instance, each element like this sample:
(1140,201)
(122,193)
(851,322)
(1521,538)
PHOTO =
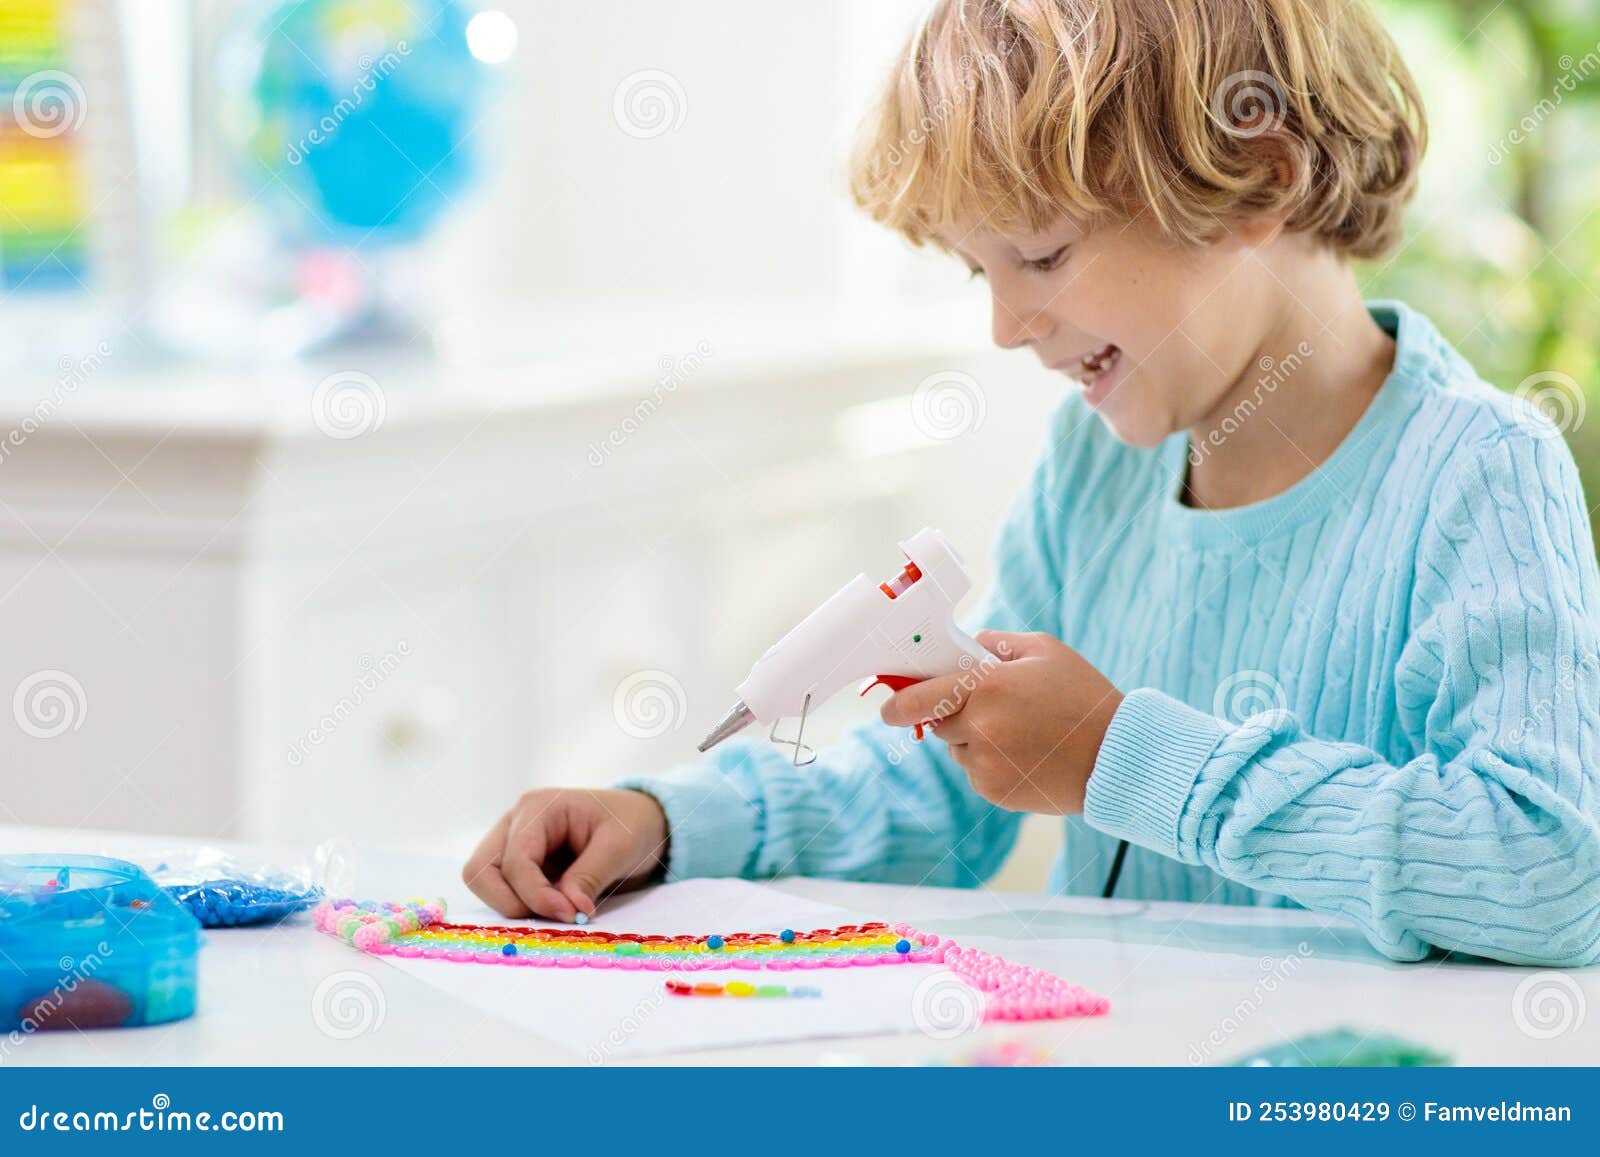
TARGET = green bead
(772,990)
(628,948)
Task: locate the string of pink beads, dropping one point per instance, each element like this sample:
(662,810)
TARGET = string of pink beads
(417,930)
(1019,991)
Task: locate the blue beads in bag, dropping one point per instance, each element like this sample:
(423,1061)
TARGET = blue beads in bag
(91,942)
(221,892)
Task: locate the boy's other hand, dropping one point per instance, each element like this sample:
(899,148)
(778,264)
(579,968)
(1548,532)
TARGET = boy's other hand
(1026,730)
(558,850)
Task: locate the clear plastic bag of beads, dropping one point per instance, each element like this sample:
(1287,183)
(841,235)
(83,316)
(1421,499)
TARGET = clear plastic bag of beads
(222,891)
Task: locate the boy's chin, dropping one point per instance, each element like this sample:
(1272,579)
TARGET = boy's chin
(1134,430)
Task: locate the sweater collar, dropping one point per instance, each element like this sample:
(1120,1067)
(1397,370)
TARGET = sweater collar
(1419,352)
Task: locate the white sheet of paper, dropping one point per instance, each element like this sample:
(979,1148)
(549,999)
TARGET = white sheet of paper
(603,1015)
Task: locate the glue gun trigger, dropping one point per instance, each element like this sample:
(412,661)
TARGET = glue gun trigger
(897,683)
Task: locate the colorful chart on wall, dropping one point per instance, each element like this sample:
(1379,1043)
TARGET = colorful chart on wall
(68,193)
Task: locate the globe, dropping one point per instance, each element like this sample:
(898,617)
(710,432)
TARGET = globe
(354,118)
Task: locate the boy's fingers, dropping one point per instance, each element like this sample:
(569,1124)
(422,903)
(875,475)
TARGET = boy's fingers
(482,873)
(1010,645)
(936,698)
(955,730)
(603,861)
(527,844)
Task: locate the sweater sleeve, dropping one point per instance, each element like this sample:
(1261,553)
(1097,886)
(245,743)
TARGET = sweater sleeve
(1486,840)
(878,806)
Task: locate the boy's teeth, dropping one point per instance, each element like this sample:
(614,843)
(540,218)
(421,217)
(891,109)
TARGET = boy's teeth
(1100,360)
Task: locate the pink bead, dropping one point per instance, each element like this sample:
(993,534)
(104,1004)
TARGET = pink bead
(931,940)
(781,965)
(602,960)
(459,957)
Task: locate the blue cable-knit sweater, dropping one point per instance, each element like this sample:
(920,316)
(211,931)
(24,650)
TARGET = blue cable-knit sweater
(1375,694)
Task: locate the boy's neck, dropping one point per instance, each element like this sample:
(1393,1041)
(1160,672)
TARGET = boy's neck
(1308,385)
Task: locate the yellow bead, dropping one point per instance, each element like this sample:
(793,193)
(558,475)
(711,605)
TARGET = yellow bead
(739,988)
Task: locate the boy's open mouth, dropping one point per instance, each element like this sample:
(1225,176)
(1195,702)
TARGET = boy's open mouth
(1092,366)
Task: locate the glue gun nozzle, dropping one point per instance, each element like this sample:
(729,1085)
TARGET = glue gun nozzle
(736,720)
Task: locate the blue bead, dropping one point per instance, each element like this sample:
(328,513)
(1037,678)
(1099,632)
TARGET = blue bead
(581,918)
(713,942)
(509,950)
(902,946)
(787,935)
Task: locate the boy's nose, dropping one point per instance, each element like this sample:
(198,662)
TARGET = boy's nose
(1015,327)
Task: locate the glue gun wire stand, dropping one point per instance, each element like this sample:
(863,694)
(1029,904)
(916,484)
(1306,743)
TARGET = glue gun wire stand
(896,633)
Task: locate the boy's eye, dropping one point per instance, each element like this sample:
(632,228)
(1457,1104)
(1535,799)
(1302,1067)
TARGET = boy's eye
(1046,264)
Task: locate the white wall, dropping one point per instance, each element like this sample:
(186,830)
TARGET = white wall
(745,199)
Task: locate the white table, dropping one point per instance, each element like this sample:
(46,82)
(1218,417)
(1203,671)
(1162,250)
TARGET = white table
(1189,983)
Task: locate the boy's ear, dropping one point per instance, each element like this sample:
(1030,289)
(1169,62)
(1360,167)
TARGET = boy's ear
(1261,228)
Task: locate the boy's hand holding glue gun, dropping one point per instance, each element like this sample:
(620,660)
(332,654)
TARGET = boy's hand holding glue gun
(1027,731)
(1022,714)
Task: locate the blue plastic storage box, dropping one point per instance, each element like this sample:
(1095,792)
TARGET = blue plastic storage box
(91,942)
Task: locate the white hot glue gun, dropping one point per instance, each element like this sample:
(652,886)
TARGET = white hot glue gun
(895,633)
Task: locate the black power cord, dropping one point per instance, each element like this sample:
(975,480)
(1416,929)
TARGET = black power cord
(1116,870)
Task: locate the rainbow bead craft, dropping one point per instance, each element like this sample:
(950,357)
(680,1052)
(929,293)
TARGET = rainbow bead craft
(417,929)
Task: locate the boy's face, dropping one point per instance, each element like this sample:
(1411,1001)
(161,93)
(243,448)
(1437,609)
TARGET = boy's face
(1154,334)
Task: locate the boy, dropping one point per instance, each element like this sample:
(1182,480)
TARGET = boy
(1294,605)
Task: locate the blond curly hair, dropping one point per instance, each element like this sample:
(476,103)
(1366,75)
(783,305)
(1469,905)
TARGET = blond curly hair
(1201,113)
